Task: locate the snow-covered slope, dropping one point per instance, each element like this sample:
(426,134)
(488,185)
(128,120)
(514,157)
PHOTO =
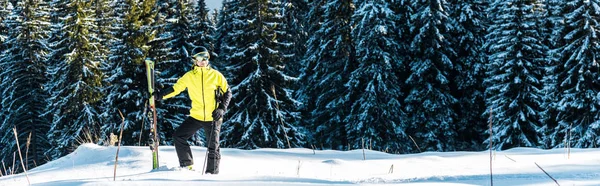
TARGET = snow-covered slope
(93,165)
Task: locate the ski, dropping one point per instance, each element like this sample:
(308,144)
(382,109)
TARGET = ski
(153,137)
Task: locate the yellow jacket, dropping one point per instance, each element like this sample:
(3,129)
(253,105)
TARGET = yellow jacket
(201,83)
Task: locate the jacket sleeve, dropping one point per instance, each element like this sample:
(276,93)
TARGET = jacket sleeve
(225,100)
(226,94)
(180,86)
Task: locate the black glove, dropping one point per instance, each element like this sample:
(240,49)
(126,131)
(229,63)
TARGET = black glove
(158,95)
(218,113)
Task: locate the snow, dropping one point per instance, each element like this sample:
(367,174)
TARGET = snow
(91,164)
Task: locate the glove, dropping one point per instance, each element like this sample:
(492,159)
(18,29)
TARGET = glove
(218,113)
(157,95)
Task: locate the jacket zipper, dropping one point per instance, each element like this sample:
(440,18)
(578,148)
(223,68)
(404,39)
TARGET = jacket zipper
(203,101)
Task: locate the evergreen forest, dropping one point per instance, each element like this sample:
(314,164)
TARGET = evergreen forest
(397,76)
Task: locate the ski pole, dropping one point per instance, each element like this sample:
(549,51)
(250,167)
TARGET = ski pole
(212,128)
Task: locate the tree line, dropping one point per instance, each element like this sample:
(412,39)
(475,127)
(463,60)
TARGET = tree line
(396,76)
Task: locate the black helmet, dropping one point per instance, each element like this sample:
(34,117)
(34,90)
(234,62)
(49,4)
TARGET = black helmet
(201,52)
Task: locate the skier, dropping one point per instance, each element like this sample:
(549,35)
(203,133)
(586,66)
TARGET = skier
(210,95)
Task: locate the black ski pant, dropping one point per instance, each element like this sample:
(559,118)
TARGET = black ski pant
(187,130)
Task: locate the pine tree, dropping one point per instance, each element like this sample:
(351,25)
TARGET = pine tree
(5,9)
(577,78)
(214,19)
(373,87)
(113,70)
(329,61)
(59,49)
(429,102)
(469,69)
(104,37)
(159,53)
(403,55)
(296,30)
(402,11)
(224,26)
(264,112)
(203,29)
(175,35)
(514,74)
(126,77)
(554,19)
(105,20)
(23,73)
(76,87)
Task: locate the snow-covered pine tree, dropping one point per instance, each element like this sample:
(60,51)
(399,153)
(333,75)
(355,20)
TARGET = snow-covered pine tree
(214,19)
(224,26)
(554,25)
(314,17)
(264,112)
(76,87)
(202,29)
(295,32)
(514,74)
(5,9)
(374,88)
(23,65)
(113,70)
(126,78)
(176,33)
(159,53)
(578,82)
(59,49)
(469,66)
(329,60)
(403,11)
(429,103)
(104,20)
(296,27)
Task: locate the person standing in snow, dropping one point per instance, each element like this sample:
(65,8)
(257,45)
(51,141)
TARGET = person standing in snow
(210,95)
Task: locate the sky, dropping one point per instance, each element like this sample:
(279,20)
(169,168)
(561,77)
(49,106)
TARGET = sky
(91,164)
(213,4)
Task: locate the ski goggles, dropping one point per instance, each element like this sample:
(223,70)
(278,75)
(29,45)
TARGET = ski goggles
(201,56)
